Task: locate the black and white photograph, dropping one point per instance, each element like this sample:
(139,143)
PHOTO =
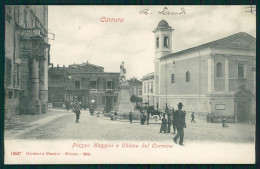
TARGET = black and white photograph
(130,84)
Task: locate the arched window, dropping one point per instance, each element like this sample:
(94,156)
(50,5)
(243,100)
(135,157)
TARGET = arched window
(172,78)
(157,79)
(219,70)
(166,41)
(187,76)
(157,42)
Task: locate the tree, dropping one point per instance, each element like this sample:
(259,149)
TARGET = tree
(136,99)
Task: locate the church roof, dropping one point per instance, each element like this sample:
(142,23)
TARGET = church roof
(163,24)
(239,40)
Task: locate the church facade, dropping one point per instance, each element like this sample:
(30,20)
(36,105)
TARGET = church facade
(217,77)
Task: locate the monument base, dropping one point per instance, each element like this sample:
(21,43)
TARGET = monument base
(124,105)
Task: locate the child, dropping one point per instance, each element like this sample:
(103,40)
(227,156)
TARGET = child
(224,122)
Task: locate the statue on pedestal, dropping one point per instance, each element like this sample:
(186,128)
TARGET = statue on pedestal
(122,73)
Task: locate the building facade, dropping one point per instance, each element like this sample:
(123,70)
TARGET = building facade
(136,87)
(26,59)
(85,83)
(148,89)
(217,77)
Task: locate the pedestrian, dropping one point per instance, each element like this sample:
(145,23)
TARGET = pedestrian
(163,125)
(130,117)
(192,117)
(224,124)
(67,105)
(212,117)
(173,121)
(169,123)
(180,124)
(115,115)
(77,111)
(148,116)
(208,116)
(143,118)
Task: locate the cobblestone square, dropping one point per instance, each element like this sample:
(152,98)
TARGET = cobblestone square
(60,124)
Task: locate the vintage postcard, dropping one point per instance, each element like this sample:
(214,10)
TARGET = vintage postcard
(130,84)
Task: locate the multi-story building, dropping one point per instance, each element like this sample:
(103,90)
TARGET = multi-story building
(217,77)
(83,82)
(148,92)
(136,87)
(26,59)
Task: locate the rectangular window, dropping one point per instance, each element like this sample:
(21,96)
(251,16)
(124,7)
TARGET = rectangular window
(144,87)
(8,16)
(140,92)
(103,99)
(32,20)
(241,70)
(77,84)
(10,94)
(109,85)
(18,16)
(151,87)
(18,74)
(8,9)
(8,71)
(25,18)
(93,84)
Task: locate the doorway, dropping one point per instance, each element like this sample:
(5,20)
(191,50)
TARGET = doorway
(243,111)
(109,103)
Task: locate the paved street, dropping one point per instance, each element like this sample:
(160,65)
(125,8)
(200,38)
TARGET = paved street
(60,124)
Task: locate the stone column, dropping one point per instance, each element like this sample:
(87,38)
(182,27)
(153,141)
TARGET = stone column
(35,107)
(226,75)
(42,90)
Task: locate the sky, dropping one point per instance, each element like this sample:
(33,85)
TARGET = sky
(80,36)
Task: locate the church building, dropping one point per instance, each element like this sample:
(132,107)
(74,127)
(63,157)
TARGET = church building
(217,77)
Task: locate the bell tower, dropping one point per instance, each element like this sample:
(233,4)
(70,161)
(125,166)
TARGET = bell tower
(163,39)
(163,47)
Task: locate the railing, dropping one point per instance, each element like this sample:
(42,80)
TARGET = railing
(31,32)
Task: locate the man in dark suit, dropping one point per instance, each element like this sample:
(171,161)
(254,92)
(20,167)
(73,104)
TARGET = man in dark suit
(77,111)
(180,124)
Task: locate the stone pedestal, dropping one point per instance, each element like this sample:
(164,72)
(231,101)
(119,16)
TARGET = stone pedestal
(124,105)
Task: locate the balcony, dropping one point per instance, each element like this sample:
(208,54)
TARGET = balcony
(93,90)
(109,90)
(31,32)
